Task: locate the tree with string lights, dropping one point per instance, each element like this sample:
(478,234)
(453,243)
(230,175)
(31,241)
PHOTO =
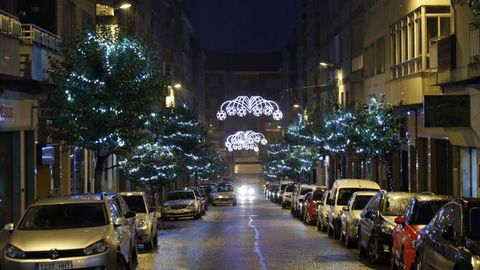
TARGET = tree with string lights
(100,102)
(378,130)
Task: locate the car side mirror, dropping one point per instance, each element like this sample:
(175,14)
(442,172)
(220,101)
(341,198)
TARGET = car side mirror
(130,214)
(448,233)
(9,227)
(345,209)
(121,222)
(400,220)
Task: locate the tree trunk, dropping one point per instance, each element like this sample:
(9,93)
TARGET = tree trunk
(99,165)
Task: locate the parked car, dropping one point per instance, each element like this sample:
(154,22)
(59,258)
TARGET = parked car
(281,190)
(225,195)
(420,210)
(210,192)
(341,192)
(377,223)
(351,216)
(74,232)
(287,195)
(310,206)
(181,203)
(200,195)
(452,238)
(298,197)
(146,222)
(322,213)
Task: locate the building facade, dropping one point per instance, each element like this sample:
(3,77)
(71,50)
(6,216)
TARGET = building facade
(422,54)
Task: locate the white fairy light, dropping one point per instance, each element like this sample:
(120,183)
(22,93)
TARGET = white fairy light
(245,140)
(256,105)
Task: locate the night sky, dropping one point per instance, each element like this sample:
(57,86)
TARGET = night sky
(244,25)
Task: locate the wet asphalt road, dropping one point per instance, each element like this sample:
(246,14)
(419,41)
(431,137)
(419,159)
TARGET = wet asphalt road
(255,234)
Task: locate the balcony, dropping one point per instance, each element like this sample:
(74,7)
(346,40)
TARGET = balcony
(10,31)
(37,46)
(9,25)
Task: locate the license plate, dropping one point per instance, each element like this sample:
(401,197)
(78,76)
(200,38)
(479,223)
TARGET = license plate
(54,266)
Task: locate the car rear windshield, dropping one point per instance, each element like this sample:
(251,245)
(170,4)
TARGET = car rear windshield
(135,203)
(184,195)
(290,189)
(227,188)
(64,216)
(395,206)
(424,211)
(361,201)
(474,223)
(344,194)
(317,196)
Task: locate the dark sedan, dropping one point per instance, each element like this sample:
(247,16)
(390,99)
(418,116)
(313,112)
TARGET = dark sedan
(452,239)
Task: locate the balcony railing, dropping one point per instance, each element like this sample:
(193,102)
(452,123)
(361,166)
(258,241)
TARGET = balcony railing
(474,44)
(9,25)
(32,34)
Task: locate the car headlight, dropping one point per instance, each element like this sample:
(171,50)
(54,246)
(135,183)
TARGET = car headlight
(191,205)
(476,262)
(13,252)
(386,228)
(96,248)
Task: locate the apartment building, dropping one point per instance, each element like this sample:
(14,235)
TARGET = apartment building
(421,53)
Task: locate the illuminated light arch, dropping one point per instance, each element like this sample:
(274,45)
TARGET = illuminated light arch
(256,105)
(245,140)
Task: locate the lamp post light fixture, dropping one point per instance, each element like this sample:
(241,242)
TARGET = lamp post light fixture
(326,65)
(125,5)
(170,98)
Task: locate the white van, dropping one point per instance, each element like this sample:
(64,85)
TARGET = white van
(341,192)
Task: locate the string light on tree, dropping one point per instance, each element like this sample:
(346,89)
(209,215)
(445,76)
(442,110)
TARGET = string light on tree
(245,140)
(243,105)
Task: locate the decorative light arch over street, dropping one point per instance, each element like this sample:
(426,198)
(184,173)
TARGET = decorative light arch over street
(256,105)
(245,140)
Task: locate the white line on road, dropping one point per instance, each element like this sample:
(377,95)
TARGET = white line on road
(256,245)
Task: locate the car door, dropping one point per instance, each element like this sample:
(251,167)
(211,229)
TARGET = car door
(431,239)
(122,233)
(368,217)
(447,250)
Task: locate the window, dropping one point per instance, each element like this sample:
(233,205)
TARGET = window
(407,42)
(380,56)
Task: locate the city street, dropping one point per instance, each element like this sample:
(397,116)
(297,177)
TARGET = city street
(255,234)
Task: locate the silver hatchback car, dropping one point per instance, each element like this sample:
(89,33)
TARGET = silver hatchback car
(71,233)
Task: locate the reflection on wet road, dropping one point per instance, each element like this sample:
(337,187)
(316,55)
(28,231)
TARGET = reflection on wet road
(255,234)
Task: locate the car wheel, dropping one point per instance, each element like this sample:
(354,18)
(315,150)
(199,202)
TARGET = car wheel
(149,245)
(121,264)
(134,255)
(361,250)
(342,238)
(155,240)
(336,230)
(323,228)
(374,252)
(418,264)
(329,230)
(348,240)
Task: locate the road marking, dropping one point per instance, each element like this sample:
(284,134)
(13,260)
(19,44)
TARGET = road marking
(256,245)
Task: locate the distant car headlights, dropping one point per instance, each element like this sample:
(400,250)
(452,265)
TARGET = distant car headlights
(475,262)
(13,252)
(96,248)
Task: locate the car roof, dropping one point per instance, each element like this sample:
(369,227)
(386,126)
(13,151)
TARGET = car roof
(426,198)
(132,193)
(402,194)
(365,193)
(362,183)
(69,200)
(312,186)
